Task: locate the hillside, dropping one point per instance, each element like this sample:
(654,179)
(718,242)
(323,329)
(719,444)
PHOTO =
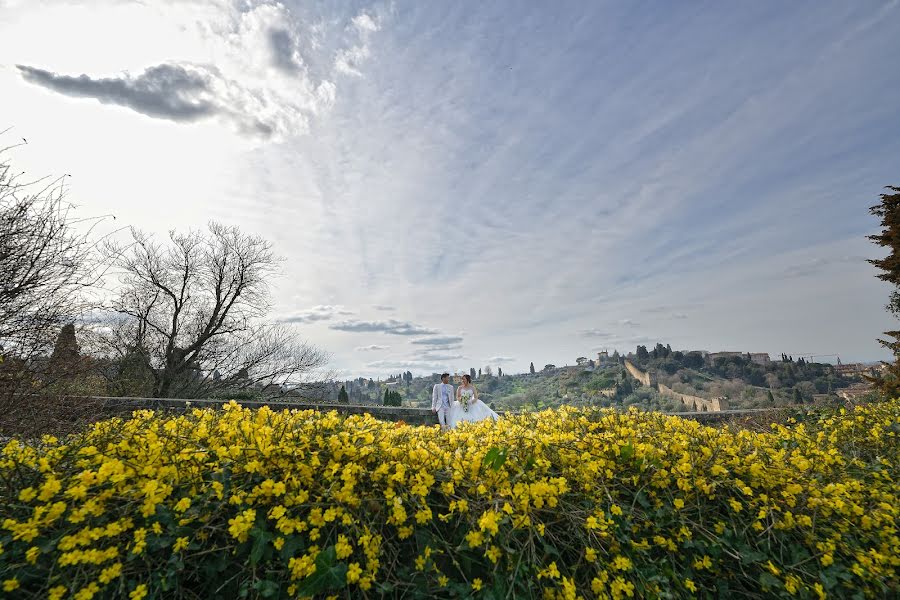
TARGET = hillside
(740,380)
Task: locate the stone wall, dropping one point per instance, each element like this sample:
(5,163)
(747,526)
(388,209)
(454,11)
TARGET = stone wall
(695,403)
(647,378)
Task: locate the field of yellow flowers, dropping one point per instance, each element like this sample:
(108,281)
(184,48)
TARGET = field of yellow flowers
(560,504)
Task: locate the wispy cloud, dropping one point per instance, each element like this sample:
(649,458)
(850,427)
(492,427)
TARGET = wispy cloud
(390,326)
(322,312)
(348,60)
(438,341)
(818,265)
(597,333)
(501,359)
(417,366)
(384,307)
(372,348)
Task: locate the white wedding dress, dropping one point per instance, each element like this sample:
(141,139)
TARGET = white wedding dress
(478,410)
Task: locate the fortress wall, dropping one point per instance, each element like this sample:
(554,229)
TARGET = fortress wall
(641,376)
(695,402)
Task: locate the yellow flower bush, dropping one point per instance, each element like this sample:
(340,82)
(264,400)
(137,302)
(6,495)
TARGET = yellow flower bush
(560,504)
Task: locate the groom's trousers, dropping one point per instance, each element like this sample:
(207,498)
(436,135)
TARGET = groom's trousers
(444,415)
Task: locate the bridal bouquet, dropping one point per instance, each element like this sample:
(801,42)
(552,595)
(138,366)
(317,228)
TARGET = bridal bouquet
(465,402)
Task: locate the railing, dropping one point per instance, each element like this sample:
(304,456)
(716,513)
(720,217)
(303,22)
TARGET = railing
(411,415)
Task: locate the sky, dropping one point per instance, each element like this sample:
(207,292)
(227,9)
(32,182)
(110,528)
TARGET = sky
(456,185)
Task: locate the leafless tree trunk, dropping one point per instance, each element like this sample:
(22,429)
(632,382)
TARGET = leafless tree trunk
(194,308)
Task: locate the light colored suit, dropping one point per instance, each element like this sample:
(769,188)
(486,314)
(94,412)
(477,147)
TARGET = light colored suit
(441,399)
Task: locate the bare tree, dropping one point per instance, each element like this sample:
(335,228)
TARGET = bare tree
(193,308)
(46,265)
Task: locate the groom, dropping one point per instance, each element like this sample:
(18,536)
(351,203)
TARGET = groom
(441,398)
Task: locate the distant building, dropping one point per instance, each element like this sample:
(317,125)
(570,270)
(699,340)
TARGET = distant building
(855,391)
(760,358)
(854,369)
(602,357)
(712,356)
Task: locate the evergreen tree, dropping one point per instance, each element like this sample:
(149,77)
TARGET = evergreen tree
(65,352)
(387,397)
(479,373)
(798,398)
(472,372)
(499,372)
(532,368)
(343,398)
(770,397)
(889,213)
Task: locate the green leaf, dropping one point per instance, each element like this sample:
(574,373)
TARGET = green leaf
(626,452)
(266,588)
(260,542)
(495,458)
(292,544)
(329,575)
(768,581)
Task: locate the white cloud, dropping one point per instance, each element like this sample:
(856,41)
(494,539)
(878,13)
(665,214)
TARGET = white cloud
(391,326)
(500,359)
(322,312)
(349,60)
(372,348)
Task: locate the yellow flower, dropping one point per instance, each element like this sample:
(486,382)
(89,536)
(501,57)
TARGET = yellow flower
(474,538)
(56,593)
(278,543)
(476,584)
(688,584)
(88,591)
(139,592)
(820,591)
(110,573)
(792,584)
(183,504)
(343,547)
(679,503)
(353,572)
(10,585)
(443,581)
(621,563)
(32,554)
(180,544)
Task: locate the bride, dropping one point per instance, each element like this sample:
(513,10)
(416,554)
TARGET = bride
(468,407)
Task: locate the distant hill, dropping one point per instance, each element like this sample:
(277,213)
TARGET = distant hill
(744,380)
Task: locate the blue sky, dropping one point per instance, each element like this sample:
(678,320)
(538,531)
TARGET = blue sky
(471,184)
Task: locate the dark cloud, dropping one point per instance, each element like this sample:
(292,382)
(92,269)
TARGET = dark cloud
(167,91)
(439,341)
(390,326)
(285,55)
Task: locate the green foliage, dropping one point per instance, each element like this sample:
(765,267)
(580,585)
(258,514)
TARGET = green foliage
(343,398)
(889,237)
